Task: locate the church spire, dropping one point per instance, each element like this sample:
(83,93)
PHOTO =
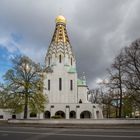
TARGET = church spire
(60,46)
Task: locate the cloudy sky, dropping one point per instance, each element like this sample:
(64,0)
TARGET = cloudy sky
(97,29)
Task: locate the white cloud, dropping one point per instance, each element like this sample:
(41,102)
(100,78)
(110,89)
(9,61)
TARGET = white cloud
(98,81)
(9,44)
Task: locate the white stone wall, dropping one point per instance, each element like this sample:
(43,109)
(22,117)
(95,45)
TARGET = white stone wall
(82,94)
(8,115)
(78,108)
(66,100)
(65,95)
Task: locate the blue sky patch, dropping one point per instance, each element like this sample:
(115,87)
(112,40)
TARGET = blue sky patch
(16,37)
(5,60)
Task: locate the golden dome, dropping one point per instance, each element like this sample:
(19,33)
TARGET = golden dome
(60,19)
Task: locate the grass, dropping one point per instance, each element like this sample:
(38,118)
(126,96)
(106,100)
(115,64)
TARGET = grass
(3,121)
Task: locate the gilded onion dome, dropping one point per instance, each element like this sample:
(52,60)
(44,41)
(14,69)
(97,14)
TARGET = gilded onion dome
(60,19)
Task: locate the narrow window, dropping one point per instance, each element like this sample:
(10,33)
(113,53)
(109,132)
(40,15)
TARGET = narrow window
(80,101)
(49,86)
(71,61)
(13,116)
(71,85)
(59,58)
(1,116)
(49,59)
(60,83)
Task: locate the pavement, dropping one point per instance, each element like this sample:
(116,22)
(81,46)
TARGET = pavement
(35,133)
(81,123)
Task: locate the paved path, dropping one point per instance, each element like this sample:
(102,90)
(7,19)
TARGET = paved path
(31,133)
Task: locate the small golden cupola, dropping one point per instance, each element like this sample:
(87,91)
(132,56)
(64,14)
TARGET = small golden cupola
(60,33)
(60,19)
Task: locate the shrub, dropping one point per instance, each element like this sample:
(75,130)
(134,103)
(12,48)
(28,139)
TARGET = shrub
(57,117)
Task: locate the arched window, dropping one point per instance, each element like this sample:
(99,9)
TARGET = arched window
(60,59)
(60,113)
(97,114)
(85,114)
(47,114)
(72,114)
(71,84)
(94,106)
(80,101)
(1,116)
(13,116)
(60,83)
(49,85)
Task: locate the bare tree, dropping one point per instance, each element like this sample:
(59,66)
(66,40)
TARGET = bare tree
(95,96)
(132,70)
(105,96)
(116,78)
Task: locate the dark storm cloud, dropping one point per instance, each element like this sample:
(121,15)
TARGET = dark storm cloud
(98,29)
(104,27)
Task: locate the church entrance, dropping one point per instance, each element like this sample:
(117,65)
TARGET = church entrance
(85,114)
(97,114)
(47,115)
(72,115)
(61,114)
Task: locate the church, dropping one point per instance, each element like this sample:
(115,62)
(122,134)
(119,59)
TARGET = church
(67,94)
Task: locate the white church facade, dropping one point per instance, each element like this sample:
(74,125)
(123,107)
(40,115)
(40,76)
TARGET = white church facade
(67,95)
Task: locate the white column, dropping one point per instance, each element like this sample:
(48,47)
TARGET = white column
(95,114)
(78,112)
(40,116)
(67,112)
(52,111)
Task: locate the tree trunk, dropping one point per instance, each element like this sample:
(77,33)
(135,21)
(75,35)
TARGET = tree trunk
(26,106)
(120,107)
(116,111)
(120,88)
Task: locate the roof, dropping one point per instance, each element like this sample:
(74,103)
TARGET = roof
(81,82)
(72,70)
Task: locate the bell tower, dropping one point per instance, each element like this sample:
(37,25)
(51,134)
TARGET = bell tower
(61,74)
(60,49)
